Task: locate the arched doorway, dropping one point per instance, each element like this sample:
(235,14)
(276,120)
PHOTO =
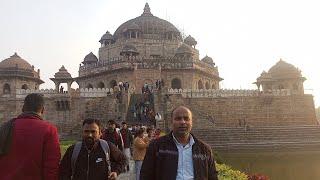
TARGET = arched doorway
(101,85)
(213,86)
(89,86)
(200,84)
(24,87)
(6,89)
(207,85)
(113,83)
(176,83)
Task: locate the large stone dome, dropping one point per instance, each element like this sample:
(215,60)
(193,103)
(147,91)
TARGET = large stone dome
(284,70)
(15,61)
(147,24)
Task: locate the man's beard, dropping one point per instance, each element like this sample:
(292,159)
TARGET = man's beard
(89,142)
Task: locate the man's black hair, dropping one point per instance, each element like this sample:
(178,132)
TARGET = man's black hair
(149,129)
(90,121)
(123,123)
(111,122)
(33,102)
(139,132)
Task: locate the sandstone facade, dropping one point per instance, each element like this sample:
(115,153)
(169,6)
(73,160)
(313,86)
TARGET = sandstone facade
(142,51)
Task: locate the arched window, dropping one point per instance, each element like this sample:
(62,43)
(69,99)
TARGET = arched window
(101,85)
(295,87)
(89,86)
(176,83)
(207,85)
(6,89)
(24,87)
(113,83)
(213,86)
(200,84)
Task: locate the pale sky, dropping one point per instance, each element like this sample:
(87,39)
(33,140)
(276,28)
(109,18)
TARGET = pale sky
(243,37)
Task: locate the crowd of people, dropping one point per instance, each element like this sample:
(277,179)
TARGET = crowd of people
(30,150)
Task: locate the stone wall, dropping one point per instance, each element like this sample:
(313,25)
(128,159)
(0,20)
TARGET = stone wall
(68,110)
(230,111)
(220,108)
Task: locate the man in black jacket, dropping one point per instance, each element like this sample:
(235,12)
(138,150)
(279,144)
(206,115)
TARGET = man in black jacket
(92,161)
(179,154)
(127,141)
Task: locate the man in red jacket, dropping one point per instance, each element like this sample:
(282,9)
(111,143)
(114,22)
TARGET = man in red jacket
(34,152)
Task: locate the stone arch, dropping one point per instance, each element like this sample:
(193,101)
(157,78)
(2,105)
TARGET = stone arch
(6,89)
(89,86)
(176,83)
(207,85)
(25,87)
(200,84)
(112,83)
(101,85)
(213,86)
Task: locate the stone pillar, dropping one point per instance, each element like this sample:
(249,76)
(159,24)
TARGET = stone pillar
(57,86)
(69,87)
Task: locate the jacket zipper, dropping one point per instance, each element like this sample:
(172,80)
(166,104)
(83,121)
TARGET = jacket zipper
(88,166)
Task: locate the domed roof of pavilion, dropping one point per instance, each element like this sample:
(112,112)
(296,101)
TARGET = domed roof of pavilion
(208,60)
(90,58)
(15,61)
(190,41)
(184,49)
(283,69)
(62,73)
(264,76)
(147,24)
(106,36)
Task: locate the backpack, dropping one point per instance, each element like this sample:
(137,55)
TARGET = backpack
(6,133)
(76,151)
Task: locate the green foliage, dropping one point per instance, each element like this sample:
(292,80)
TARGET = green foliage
(64,145)
(226,173)
(217,157)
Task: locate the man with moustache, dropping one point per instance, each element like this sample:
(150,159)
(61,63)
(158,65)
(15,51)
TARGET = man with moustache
(92,161)
(179,154)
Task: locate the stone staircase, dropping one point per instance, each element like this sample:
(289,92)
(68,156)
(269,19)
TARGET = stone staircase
(136,98)
(268,138)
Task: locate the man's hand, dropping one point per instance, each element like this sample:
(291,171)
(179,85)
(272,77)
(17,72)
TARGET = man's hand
(112,176)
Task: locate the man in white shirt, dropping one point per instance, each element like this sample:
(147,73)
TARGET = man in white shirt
(179,155)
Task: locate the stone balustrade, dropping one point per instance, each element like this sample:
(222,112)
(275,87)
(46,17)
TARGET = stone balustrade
(92,92)
(146,63)
(22,93)
(199,93)
(96,92)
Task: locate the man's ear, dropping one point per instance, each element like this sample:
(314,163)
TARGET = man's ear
(42,110)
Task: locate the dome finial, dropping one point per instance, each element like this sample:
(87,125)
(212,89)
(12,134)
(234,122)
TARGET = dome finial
(146,10)
(15,55)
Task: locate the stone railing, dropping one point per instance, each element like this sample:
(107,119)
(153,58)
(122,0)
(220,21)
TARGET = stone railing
(196,93)
(92,92)
(146,63)
(22,93)
(96,92)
